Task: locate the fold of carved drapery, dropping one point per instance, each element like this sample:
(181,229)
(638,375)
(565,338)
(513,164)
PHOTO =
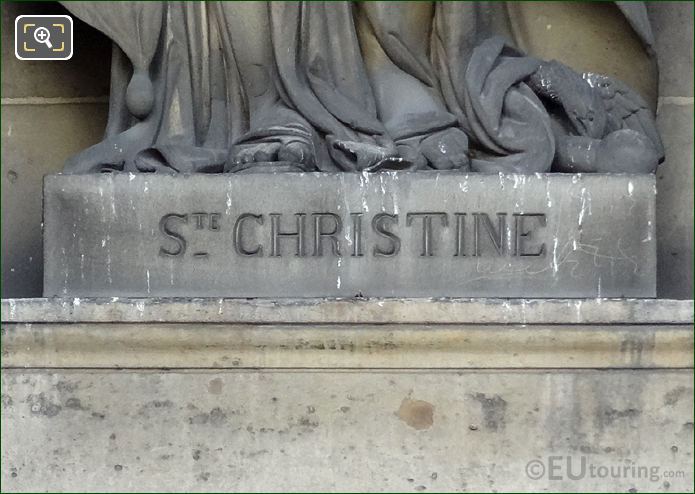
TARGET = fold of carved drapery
(323,76)
(482,83)
(195,95)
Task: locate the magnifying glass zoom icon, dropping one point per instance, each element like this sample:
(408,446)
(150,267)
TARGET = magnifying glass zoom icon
(43,35)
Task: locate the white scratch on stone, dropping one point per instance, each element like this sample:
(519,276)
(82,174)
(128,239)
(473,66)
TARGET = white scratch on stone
(583,207)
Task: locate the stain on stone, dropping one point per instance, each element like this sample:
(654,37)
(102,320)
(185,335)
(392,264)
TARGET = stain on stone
(216,417)
(98,415)
(635,347)
(203,477)
(420,488)
(215,386)
(433,476)
(196,454)
(252,454)
(6,400)
(154,406)
(118,468)
(66,387)
(159,404)
(40,405)
(417,414)
(74,404)
(672,397)
(112,436)
(309,422)
(610,415)
(345,409)
(494,409)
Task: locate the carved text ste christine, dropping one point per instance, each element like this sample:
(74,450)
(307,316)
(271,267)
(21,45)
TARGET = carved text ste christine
(323,233)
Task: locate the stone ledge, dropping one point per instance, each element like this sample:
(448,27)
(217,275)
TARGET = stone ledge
(348,311)
(347,334)
(404,346)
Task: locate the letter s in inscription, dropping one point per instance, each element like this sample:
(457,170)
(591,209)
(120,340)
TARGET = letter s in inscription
(380,229)
(165,225)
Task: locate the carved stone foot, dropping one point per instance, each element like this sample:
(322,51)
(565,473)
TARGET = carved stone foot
(354,156)
(441,150)
(282,142)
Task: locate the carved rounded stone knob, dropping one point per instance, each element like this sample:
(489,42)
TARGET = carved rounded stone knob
(626,151)
(139,95)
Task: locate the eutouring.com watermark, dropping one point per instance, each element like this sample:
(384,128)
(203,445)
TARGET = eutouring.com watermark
(556,467)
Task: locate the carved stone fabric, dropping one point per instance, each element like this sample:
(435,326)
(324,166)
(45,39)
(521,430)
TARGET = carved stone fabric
(342,86)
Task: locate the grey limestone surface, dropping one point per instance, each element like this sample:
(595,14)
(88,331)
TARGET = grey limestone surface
(50,111)
(327,430)
(672,23)
(36,139)
(674,203)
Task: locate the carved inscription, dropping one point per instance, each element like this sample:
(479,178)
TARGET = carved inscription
(319,234)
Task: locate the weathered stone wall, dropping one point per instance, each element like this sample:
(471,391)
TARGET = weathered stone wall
(673,29)
(393,431)
(50,110)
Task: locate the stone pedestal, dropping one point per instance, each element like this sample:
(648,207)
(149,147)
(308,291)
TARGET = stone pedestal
(424,234)
(382,394)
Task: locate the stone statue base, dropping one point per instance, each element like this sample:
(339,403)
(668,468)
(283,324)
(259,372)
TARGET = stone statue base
(380,395)
(427,234)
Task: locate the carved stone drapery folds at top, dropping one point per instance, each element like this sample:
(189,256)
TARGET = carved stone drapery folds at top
(330,86)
